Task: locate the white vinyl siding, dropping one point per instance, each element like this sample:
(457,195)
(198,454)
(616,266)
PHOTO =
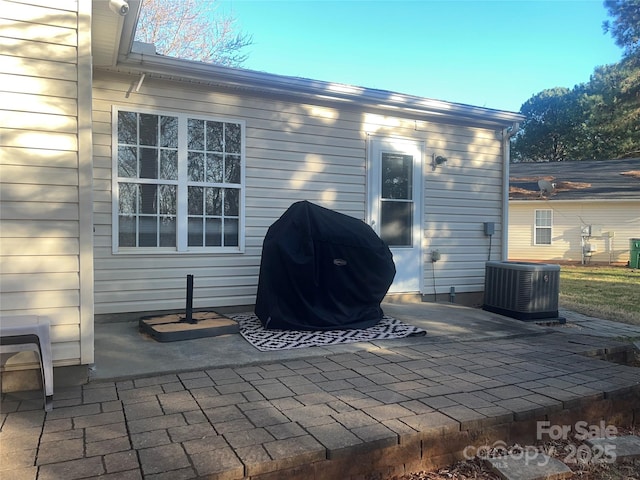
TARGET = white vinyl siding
(459,197)
(543,227)
(45,212)
(292,152)
(295,151)
(618,222)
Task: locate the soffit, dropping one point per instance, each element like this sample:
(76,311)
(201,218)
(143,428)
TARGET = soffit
(111,32)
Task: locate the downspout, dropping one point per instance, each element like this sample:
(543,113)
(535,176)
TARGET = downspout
(507,133)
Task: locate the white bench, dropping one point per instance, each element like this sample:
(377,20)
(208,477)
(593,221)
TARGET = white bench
(30,333)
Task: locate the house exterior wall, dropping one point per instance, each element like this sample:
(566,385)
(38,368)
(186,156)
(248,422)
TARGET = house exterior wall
(459,199)
(294,151)
(45,218)
(620,217)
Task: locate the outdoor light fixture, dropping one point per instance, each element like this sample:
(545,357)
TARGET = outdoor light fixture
(436,161)
(121,7)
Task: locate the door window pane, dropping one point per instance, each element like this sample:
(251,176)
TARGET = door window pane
(396,220)
(397,176)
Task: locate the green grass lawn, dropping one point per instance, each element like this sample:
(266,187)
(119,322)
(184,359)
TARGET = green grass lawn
(608,292)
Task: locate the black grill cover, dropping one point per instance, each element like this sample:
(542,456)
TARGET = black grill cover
(322,270)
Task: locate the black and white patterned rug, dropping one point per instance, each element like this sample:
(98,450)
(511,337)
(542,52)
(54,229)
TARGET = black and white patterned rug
(267,340)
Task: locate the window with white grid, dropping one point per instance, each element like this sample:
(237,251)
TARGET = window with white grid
(543,225)
(178,183)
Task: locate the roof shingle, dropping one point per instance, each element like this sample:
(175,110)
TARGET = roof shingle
(603,179)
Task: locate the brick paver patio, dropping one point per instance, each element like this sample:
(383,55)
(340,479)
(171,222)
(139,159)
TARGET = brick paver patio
(383,411)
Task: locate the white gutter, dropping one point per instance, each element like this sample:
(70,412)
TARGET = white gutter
(507,133)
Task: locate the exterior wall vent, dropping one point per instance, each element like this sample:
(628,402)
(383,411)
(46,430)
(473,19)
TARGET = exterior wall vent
(522,290)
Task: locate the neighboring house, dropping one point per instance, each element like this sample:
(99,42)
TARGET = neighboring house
(589,216)
(124,171)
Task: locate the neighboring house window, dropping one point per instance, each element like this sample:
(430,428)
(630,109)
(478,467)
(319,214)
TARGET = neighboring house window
(178,182)
(544,222)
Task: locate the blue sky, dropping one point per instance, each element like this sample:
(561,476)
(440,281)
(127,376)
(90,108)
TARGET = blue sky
(494,54)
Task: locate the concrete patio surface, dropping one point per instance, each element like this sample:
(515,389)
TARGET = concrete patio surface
(218,408)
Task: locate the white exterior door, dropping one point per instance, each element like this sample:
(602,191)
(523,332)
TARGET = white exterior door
(395,205)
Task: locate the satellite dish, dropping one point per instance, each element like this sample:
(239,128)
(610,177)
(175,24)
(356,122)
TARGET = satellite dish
(546,187)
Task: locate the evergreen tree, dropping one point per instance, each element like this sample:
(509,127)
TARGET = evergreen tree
(599,119)
(625,25)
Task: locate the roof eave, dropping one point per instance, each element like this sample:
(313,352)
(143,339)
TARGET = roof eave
(205,73)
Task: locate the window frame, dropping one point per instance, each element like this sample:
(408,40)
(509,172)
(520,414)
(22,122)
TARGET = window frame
(182,184)
(538,228)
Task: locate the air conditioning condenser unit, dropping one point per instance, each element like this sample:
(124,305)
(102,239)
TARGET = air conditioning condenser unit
(522,290)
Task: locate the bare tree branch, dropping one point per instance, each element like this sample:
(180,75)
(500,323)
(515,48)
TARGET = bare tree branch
(193,30)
